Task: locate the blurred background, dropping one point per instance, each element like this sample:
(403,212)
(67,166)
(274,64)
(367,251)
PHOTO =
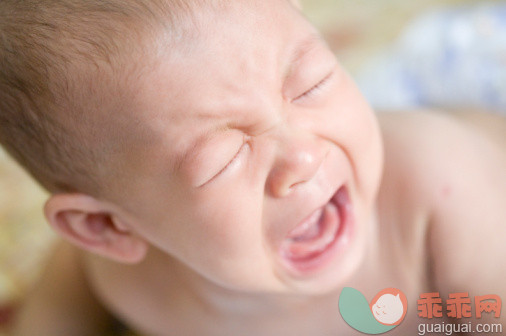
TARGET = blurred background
(373,40)
(357,29)
(408,54)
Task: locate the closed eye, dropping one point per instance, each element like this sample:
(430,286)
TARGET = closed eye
(233,159)
(230,163)
(316,89)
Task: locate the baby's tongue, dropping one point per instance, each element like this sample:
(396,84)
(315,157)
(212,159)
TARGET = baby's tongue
(313,235)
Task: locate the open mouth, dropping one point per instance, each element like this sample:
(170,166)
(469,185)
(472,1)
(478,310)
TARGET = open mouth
(312,242)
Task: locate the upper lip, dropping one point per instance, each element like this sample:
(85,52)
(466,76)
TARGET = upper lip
(291,220)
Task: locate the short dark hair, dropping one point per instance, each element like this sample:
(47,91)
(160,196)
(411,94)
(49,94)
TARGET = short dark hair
(52,55)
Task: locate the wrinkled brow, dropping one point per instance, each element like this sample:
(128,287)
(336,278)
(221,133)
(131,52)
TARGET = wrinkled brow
(297,53)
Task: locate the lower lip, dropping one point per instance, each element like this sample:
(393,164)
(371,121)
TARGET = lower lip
(318,261)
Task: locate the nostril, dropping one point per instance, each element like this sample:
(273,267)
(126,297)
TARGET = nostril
(278,188)
(296,184)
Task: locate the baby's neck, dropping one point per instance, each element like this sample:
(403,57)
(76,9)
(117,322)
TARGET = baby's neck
(228,302)
(167,292)
(244,313)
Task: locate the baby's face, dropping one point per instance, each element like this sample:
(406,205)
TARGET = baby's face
(255,160)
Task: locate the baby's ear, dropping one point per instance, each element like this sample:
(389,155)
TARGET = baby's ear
(94,226)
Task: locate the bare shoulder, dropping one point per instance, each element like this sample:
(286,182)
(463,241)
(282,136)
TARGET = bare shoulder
(434,154)
(453,166)
(62,291)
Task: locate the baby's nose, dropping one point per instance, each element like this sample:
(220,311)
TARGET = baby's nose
(298,158)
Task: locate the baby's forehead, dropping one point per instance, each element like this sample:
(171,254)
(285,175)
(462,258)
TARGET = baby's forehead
(213,74)
(218,74)
(259,45)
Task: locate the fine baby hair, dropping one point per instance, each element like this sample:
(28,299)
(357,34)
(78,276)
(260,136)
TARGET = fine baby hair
(60,62)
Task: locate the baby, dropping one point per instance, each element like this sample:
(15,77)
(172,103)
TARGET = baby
(216,172)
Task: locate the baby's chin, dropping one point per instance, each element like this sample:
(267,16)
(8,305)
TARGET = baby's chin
(327,282)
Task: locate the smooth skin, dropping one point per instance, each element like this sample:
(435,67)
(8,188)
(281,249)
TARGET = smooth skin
(229,150)
(419,240)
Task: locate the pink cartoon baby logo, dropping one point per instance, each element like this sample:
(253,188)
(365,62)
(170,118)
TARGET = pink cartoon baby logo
(389,306)
(386,310)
